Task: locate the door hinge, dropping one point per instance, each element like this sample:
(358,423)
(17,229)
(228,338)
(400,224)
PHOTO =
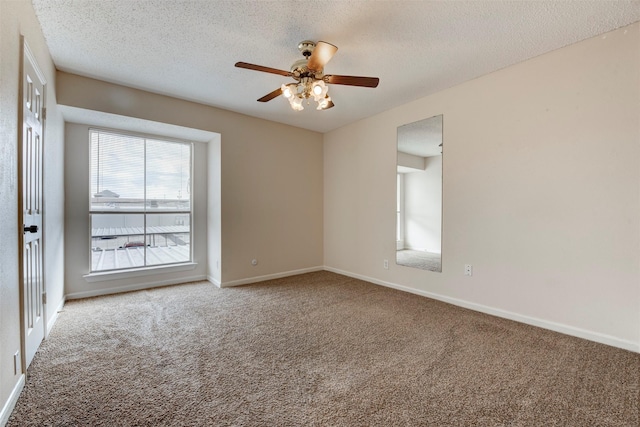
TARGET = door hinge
(44,298)
(44,113)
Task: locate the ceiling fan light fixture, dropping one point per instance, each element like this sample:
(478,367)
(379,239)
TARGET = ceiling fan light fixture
(319,90)
(324,103)
(287,92)
(296,103)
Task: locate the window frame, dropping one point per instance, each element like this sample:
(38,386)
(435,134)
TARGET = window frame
(132,271)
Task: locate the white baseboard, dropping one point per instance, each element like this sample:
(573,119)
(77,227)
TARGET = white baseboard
(541,323)
(11,401)
(269,277)
(216,282)
(545,324)
(54,317)
(136,287)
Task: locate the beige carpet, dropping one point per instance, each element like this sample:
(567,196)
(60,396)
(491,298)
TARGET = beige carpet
(318,349)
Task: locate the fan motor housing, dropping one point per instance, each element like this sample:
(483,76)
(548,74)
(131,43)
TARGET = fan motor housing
(299,67)
(306,47)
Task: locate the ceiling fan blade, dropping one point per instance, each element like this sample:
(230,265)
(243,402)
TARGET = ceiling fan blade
(353,81)
(322,53)
(270,96)
(264,69)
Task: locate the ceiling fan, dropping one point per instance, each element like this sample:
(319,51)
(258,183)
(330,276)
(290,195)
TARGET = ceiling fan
(311,82)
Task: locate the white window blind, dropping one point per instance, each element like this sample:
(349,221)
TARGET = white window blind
(140,201)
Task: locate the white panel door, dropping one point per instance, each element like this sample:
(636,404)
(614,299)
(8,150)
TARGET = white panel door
(30,164)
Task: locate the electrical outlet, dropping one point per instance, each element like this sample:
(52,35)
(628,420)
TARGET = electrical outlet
(386,264)
(468,270)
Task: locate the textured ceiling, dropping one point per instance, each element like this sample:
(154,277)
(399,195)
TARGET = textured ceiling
(187,49)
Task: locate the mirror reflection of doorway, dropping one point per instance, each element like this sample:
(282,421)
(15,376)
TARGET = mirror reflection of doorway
(419,195)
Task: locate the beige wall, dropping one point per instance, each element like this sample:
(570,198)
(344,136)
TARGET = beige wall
(17,19)
(541,192)
(270,177)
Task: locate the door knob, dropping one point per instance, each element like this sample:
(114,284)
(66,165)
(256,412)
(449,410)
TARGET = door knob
(31,229)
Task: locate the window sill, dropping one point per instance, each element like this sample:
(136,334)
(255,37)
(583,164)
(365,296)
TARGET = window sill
(146,271)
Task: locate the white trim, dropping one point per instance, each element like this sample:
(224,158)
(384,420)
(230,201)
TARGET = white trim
(545,324)
(137,272)
(213,280)
(54,317)
(29,54)
(270,277)
(119,123)
(136,287)
(10,404)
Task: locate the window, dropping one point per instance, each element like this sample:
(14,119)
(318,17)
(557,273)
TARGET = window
(140,202)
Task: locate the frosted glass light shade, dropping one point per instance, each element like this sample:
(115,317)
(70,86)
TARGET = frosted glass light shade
(319,90)
(296,103)
(286,91)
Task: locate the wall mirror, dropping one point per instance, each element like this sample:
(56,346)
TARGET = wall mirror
(419,195)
